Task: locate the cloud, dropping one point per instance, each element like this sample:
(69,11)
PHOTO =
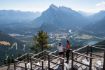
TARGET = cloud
(101,4)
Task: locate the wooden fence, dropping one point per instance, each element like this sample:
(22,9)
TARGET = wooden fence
(53,60)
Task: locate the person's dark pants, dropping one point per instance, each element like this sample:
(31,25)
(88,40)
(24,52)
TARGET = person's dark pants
(61,53)
(67,55)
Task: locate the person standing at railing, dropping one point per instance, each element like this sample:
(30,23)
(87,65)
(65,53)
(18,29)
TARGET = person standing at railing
(60,49)
(67,51)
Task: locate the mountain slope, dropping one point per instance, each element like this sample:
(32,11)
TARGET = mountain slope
(60,18)
(12,16)
(97,28)
(15,48)
(97,16)
(16,21)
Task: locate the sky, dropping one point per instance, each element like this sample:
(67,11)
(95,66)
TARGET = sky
(41,5)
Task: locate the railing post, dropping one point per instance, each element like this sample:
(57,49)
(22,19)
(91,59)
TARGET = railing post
(72,58)
(42,66)
(48,61)
(28,58)
(104,61)
(62,64)
(25,66)
(14,65)
(87,50)
(91,51)
(31,63)
(90,66)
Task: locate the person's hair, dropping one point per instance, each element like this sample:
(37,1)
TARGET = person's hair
(68,41)
(59,44)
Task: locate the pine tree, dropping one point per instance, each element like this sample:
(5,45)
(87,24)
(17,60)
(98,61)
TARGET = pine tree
(40,41)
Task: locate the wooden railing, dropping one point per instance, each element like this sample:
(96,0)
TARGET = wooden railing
(49,56)
(89,52)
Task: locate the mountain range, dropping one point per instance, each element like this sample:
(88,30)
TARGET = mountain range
(97,16)
(59,18)
(63,18)
(52,19)
(17,16)
(98,22)
(12,21)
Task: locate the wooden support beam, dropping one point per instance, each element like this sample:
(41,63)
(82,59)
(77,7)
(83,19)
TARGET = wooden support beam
(81,63)
(14,64)
(87,50)
(21,56)
(72,58)
(48,61)
(42,66)
(82,55)
(62,64)
(99,45)
(31,63)
(25,66)
(104,61)
(97,55)
(38,53)
(90,64)
(98,48)
(79,49)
